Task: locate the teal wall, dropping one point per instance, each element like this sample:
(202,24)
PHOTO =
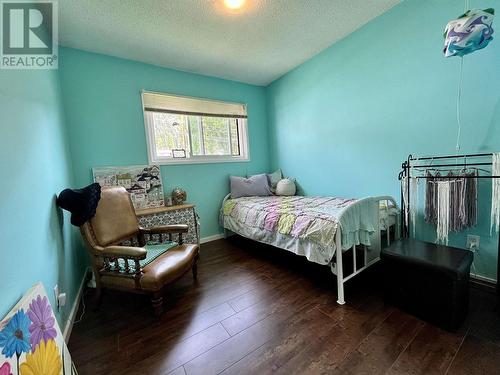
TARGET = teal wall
(106,127)
(343,122)
(37,238)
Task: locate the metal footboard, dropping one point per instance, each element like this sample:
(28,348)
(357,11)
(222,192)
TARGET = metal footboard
(337,267)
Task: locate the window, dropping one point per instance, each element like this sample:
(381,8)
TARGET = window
(189,130)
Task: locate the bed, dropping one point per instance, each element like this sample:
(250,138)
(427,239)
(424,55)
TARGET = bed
(316,227)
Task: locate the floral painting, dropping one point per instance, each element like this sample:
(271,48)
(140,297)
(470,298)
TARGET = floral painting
(31,342)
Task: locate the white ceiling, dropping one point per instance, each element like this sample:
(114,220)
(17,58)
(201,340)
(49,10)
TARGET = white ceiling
(256,45)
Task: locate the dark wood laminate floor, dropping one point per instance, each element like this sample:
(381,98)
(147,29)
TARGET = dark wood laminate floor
(259,310)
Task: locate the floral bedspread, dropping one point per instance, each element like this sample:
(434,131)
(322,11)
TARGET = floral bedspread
(312,218)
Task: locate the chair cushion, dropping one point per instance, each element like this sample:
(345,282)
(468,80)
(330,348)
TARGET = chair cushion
(153,252)
(165,269)
(168,267)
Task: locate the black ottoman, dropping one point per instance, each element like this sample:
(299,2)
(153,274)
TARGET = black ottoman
(428,280)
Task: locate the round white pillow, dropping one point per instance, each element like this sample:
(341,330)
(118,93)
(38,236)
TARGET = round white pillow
(285,187)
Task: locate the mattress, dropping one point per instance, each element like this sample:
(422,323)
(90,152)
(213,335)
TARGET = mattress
(304,225)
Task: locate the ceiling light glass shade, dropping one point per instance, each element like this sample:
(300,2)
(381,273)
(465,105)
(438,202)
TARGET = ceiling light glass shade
(234,4)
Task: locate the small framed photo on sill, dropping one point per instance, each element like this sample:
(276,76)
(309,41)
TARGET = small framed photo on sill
(179,153)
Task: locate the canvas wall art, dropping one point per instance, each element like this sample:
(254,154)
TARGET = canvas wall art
(144,183)
(30,339)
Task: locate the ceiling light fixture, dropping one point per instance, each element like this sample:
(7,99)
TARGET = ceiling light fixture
(234,4)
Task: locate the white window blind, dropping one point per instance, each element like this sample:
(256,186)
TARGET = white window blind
(192,106)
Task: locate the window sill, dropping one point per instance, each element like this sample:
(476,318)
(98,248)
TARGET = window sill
(198,161)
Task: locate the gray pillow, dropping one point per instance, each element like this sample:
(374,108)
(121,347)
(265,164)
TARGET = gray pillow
(273,179)
(256,185)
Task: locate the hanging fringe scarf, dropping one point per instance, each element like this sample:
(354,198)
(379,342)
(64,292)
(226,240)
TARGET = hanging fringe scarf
(463,200)
(431,202)
(443,211)
(413,202)
(495,193)
(457,202)
(471,201)
(404,192)
(429,198)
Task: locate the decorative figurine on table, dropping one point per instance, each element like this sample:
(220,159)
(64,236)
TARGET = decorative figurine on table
(168,201)
(179,196)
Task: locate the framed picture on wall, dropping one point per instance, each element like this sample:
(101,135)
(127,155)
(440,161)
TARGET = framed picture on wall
(143,182)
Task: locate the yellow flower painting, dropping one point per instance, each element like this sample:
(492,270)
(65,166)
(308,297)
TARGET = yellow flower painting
(45,360)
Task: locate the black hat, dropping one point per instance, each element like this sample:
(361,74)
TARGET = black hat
(82,203)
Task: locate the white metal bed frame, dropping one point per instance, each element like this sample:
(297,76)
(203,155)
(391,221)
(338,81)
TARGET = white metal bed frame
(374,250)
(338,269)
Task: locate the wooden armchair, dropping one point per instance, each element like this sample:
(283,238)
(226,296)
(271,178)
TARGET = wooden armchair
(145,268)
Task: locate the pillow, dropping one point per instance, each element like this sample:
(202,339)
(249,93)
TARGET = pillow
(273,179)
(256,185)
(286,186)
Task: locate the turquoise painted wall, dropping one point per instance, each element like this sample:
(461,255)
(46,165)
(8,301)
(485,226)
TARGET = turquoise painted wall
(105,123)
(343,122)
(37,238)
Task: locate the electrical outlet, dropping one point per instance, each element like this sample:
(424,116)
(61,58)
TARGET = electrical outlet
(473,242)
(61,300)
(56,295)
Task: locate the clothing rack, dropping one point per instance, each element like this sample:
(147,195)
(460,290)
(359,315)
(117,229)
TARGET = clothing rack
(414,163)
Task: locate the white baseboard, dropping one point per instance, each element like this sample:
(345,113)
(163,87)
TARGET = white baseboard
(72,314)
(483,278)
(212,238)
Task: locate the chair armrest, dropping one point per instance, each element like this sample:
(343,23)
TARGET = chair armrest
(176,228)
(128,252)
